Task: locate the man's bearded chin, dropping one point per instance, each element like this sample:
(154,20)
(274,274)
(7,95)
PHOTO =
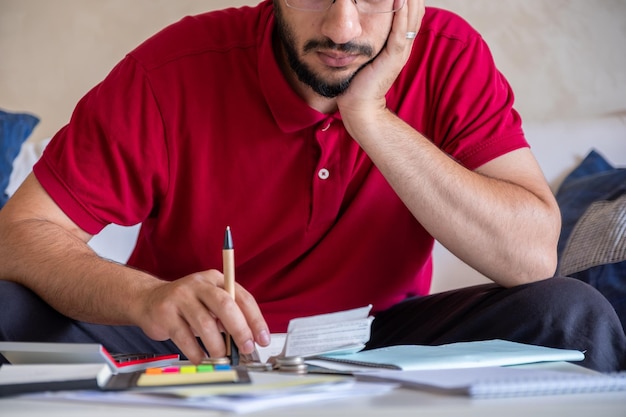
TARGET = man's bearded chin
(309,78)
(304,73)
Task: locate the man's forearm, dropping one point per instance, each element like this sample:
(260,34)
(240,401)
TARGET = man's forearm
(502,228)
(43,249)
(67,274)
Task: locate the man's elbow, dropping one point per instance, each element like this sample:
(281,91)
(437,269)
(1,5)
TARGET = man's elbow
(539,265)
(546,265)
(543,256)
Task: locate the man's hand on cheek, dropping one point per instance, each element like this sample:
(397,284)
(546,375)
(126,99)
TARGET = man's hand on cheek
(366,94)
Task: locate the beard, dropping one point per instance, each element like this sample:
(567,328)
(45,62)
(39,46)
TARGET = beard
(304,73)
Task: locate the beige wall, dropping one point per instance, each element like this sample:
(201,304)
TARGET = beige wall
(53,51)
(565,58)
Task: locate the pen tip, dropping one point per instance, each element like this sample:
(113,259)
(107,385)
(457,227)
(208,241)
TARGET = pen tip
(228,239)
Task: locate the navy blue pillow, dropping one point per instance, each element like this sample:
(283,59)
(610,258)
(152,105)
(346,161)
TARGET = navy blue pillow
(592,199)
(15,128)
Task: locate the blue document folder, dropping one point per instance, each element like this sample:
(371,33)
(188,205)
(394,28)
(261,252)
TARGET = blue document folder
(455,355)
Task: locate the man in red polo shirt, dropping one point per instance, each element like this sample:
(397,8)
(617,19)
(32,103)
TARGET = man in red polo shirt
(337,139)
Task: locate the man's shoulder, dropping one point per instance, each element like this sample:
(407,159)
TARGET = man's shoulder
(441,23)
(216,31)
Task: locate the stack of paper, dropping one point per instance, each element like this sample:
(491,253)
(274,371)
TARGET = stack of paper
(344,331)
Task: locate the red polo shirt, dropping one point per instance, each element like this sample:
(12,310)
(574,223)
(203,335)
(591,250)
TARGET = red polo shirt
(197,129)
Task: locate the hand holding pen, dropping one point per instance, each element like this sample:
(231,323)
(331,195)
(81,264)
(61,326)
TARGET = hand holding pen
(202,305)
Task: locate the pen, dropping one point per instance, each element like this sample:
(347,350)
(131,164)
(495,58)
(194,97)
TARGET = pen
(228,260)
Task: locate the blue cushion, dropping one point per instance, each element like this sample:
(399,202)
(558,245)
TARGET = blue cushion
(592,199)
(15,128)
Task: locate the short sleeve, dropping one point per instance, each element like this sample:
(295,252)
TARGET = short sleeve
(452,92)
(109,164)
(478,107)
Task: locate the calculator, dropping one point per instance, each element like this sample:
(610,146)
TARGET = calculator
(178,375)
(128,362)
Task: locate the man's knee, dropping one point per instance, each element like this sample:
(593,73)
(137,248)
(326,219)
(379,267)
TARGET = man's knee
(576,315)
(571,298)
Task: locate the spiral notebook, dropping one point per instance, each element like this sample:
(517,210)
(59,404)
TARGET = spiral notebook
(501,382)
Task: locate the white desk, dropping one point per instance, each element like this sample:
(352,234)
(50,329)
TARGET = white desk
(399,402)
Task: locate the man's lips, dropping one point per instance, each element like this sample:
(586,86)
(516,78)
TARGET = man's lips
(337,59)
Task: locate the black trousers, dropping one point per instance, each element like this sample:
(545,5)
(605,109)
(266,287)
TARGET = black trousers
(558,312)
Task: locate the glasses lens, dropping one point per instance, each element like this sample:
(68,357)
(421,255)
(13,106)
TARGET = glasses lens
(364,6)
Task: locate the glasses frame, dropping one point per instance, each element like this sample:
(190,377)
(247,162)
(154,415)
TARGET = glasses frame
(356,3)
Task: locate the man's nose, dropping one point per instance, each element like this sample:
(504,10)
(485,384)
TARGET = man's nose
(342,22)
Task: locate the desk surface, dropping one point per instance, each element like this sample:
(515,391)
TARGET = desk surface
(399,402)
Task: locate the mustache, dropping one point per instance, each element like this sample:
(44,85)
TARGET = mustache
(349,47)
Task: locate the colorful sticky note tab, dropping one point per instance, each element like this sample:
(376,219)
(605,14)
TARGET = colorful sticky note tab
(205,368)
(188,369)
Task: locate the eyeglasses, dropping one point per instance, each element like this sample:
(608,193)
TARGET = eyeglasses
(363,6)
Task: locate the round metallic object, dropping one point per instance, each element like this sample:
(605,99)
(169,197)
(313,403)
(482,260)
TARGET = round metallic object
(221,360)
(289,360)
(258,366)
(291,364)
(300,368)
